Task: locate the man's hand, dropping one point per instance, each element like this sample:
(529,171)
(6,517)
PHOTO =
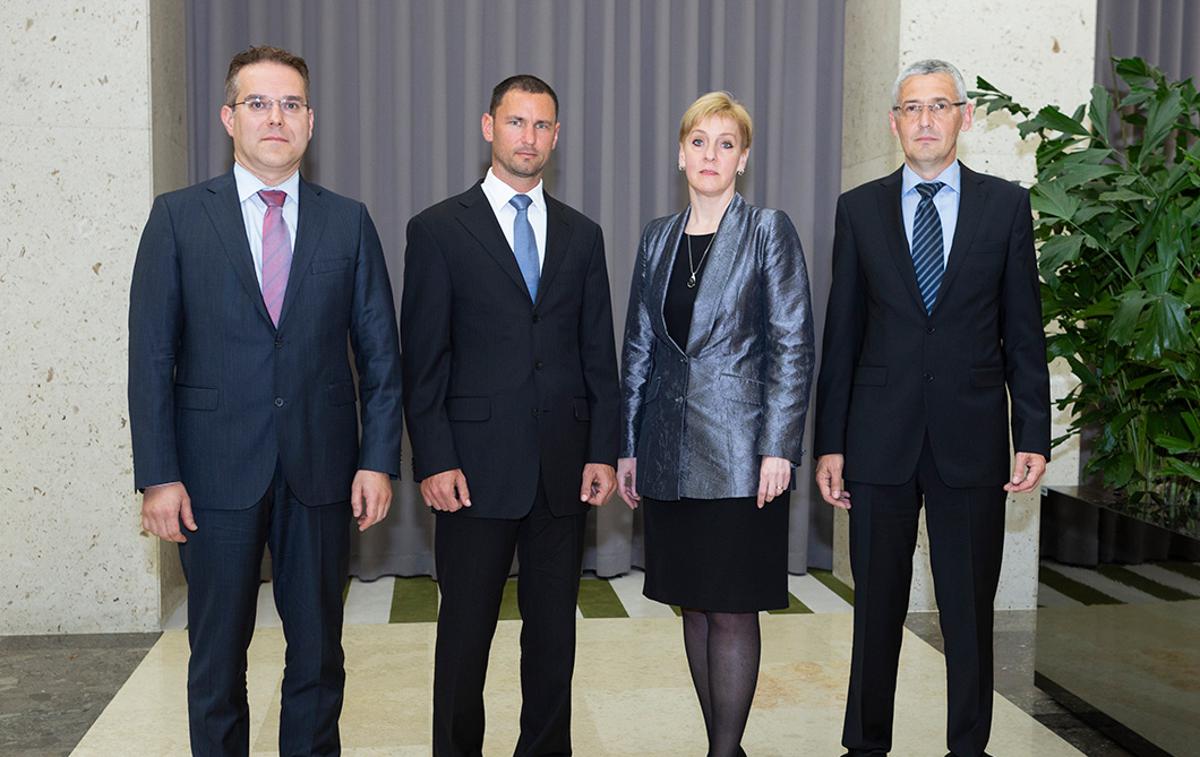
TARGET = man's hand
(370,497)
(598,483)
(774,475)
(829,480)
(446,491)
(627,481)
(163,507)
(1028,468)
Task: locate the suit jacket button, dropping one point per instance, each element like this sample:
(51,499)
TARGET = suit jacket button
(536,318)
(929,378)
(279,402)
(539,365)
(278,342)
(535,412)
(930,330)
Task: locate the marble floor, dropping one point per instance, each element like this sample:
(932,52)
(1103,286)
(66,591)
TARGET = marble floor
(632,694)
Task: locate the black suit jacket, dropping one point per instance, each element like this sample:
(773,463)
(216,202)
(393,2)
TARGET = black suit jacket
(217,393)
(501,386)
(891,374)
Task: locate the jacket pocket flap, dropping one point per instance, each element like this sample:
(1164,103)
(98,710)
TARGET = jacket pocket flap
(742,389)
(870,375)
(583,411)
(468,408)
(341,393)
(195,397)
(992,376)
(329,265)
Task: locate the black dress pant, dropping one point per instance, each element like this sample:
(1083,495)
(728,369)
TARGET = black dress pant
(473,557)
(222,561)
(966,542)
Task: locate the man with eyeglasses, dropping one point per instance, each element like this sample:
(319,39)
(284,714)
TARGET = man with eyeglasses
(934,311)
(242,404)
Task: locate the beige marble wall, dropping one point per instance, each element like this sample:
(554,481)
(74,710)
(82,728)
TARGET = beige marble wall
(76,180)
(1038,52)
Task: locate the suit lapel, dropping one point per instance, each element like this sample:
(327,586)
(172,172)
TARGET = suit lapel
(662,275)
(888,198)
(970,208)
(721,256)
(225,212)
(558,241)
(310,224)
(480,221)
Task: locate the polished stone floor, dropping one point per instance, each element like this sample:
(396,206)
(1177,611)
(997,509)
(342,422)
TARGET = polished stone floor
(632,694)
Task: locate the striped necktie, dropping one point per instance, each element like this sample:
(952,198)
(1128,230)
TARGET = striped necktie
(276,253)
(927,244)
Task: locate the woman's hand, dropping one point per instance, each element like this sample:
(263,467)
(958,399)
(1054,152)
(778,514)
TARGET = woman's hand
(774,475)
(627,481)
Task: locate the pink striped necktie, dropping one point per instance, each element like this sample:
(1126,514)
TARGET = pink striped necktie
(276,252)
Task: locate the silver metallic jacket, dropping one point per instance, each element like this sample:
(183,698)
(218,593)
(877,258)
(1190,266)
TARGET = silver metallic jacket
(698,419)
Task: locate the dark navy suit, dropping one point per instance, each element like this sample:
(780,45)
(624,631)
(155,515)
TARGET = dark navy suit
(260,425)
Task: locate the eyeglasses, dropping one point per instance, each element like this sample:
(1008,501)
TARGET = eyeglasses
(937,108)
(291,106)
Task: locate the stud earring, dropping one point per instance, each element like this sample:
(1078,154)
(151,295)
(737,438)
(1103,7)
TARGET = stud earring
(741,171)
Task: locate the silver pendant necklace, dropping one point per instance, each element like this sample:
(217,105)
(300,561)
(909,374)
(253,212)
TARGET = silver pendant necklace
(695,268)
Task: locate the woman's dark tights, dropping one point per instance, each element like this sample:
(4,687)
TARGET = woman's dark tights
(723,650)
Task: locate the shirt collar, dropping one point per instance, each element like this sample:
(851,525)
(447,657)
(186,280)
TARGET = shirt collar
(951,177)
(249,185)
(499,193)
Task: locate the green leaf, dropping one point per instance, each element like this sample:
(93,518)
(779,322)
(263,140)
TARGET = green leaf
(1160,121)
(1125,322)
(1137,73)
(1058,250)
(1168,330)
(1173,444)
(1181,468)
(1192,295)
(1099,112)
(1051,198)
(1081,174)
(1193,423)
(1124,195)
(1050,117)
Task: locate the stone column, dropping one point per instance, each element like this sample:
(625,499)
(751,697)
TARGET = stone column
(92,128)
(1040,53)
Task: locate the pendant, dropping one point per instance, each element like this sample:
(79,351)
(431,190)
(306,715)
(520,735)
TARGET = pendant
(691,282)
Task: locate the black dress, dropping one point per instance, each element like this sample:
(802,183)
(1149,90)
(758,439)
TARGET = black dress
(722,555)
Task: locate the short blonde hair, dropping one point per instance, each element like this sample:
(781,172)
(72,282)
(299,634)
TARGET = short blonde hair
(717,104)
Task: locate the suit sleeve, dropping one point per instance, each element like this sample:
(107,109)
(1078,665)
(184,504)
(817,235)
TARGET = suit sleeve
(637,354)
(1024,336)
(425,313)
(376,344)
(788,323)
(845,317)
(597,353)
(155,326)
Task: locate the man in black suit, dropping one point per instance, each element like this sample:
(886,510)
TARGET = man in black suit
(242,404)
(934,309)
(506,325)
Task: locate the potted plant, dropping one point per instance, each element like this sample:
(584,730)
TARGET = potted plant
(1117,196)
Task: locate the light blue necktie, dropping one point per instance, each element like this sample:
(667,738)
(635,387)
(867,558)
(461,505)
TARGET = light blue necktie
(927,244)
(524,245)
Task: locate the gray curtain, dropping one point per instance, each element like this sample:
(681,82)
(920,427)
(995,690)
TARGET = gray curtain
(398,89)
(1165,33)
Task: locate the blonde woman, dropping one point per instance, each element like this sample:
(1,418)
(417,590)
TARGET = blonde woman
(716,369)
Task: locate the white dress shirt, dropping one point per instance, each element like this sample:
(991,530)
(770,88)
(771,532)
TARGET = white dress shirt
(945,201)
(254,210)
(498,194)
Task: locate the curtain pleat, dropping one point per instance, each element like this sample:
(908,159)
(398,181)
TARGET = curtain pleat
(398,88)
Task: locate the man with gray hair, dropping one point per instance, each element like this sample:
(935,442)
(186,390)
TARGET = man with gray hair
(933,313)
